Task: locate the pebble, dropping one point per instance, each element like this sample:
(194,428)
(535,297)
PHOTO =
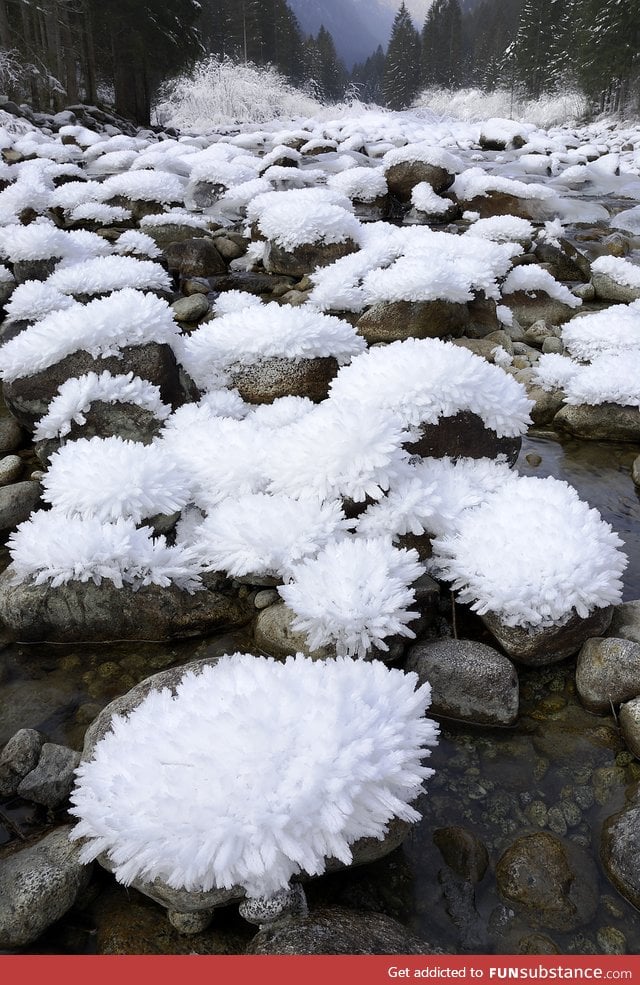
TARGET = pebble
(10,469)
(190,308)
(18,758)
(10,435)
(51,781)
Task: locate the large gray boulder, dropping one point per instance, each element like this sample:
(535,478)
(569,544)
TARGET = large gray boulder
(305,258)
(50,782)
(19,756)
(608,672)
(38,885)
(405,175)
(335,930)
(469,681)
(82,610)
(599,422)
(620,852)
(17,502)
(28,398)
(463,435)
(265,381)
(398,320)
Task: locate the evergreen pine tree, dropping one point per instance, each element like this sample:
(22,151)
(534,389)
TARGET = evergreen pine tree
(332,75)
(442,45)
(610,52)
(401,79)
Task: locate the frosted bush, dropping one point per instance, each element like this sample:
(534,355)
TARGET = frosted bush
(615,329)
(102,328)
(336,450)
(266,535)
(354,594)
(425,153)
(422,380)
(533,278)
(110,273)
(361,184)
(76,395)
(34,299)
(532,554)
(256,333)
(145,186)
(621,271)
(85,479)
(45,550)
(260,811)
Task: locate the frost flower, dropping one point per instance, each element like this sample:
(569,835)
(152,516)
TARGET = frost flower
(254,771)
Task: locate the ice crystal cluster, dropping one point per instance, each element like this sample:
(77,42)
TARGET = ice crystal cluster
(275,787)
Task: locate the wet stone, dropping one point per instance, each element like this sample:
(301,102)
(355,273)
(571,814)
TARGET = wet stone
(463,852)
(19,757)
(608,672)
(51,781)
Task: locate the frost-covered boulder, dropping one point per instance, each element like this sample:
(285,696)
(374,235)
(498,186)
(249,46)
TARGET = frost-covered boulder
(493,195)
(539,566)
(615,279)
(239,697)
(620,850)
(406,167)
(533,295)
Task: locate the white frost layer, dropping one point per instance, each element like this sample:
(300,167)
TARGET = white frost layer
(50,549)
(424,199)
(423,380)
(85,479)
(611,377)
(425,153)
(262,332)
(110,273)
(533,278)
(474,183)
(35,299)
(612,330)
(343,758)
(102,328)
(619,270)
(353,594)
(361,184)
(533,553)
(265,535)
(145,186)
(76,395)
(502,229)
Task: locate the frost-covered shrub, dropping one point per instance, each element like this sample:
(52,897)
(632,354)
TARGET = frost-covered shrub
(342,759)
(252,334)
(111,478)
(422,380)
(102,328)
(532,553)
(75,396)
(615,329)
(110,273)
(336,450)
(354,594)
(45,549)
(265,535)
(532,278)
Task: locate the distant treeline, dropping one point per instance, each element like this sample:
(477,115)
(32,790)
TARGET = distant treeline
(57,52)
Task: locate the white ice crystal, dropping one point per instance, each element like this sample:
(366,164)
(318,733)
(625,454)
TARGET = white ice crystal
(266,535)
(49,549)
(134,243)
(110,273)
(502,229)
(280,766)
(251,334)
(474,183)
(37,241)
(422,380)
(354,594)
(361,184)
(533,278)
(76,395)
(621,271)
(306,215)
(146,186)
(532,553)
(425,153)
(109,478)
(34,299)
(615,329)
(424,199)
(102,328)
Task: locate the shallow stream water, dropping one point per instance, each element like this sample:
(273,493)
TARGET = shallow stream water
(559,770)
